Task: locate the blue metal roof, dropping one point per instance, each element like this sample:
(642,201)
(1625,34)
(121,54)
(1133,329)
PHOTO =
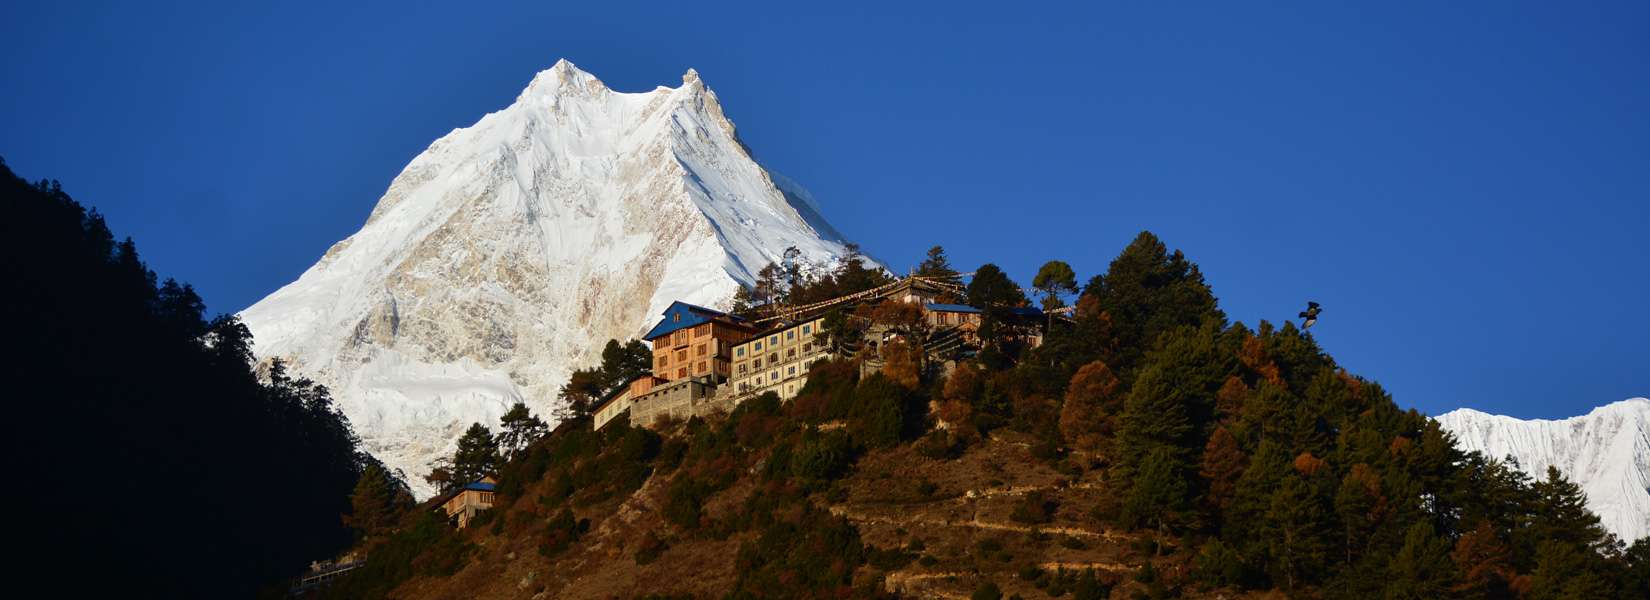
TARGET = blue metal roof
(480,486)
(961,308)
(681,315)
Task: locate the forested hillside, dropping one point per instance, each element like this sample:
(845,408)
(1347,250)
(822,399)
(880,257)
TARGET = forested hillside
(150,461)
(1150,448)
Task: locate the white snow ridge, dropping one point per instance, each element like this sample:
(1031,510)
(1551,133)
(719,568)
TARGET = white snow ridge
(508,252)
(1606,451)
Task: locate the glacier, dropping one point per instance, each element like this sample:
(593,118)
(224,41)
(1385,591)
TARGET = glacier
(1606,452)
(508,252)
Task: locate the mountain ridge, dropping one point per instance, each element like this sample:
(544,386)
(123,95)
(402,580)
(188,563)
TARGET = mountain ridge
(506,251)
(1607,451)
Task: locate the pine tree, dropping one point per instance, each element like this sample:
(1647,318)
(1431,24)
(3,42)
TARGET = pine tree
(1148,291)
(477,455)
(937,266)
(1362,508)
(1221,467)
(1562,515)
(1053,279)
(1483,561)
(991,289)
(1092,403)
(1297,528)
(378,502)
(1421,570)
(518,428)
(623,362)
(1156,496)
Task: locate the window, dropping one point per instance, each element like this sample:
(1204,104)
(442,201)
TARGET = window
(739,352)
(664,361)
(758,346)
(681,356)
(807,329)
(701,331)
(791,371)
(790,335)
(700,366)
(773,358)
(680,373)
(773,340)
(807,346)
(773,375)
(742,368)
(758,364)
(700,351)
(789,354)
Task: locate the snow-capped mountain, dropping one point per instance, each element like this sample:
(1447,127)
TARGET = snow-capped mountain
(508,252)
(1606,451)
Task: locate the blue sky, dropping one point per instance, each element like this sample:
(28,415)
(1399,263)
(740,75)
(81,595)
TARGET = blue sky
(1465,186)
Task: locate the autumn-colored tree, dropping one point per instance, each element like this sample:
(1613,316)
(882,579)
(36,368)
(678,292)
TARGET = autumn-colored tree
(1092,403)
(902,363)
(1483,561)
(1231,398)
(1222,465)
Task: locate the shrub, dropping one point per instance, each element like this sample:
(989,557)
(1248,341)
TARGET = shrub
(649,549)
(987,591)
(1035,508)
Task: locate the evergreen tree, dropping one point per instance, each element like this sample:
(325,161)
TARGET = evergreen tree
(477,455)
(623,362)
(1421,569)
(992,289)
(378,502)
(1148,291)
(1297,531)
(1052,280)
(1156,496)
(937,266)
(518,428)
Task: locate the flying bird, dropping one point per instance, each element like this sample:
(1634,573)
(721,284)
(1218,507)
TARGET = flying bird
(1310,315)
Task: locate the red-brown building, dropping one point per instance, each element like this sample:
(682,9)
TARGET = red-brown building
(694,341)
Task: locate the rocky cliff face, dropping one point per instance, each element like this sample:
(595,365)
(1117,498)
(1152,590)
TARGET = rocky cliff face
(508,252)
(1606,451)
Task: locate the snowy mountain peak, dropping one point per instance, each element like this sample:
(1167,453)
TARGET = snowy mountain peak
(1606,451)
(509,251)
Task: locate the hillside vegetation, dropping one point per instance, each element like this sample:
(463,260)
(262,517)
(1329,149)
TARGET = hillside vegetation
(152,460)
(1149,448)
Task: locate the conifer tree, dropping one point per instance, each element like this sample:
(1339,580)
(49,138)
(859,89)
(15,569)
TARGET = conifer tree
(1157,494)
(518,428)
(378,502)
(476,457)
(1053,279)
(1093,400)
(937,266)
(1221,468)
(1148,291)
(1483,562)
(1297,527)
(991,289)
(1421,570)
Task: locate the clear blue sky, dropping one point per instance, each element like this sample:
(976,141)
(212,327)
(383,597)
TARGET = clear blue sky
(1465,186)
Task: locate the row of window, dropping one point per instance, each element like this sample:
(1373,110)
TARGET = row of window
(772,377)
(773,340)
